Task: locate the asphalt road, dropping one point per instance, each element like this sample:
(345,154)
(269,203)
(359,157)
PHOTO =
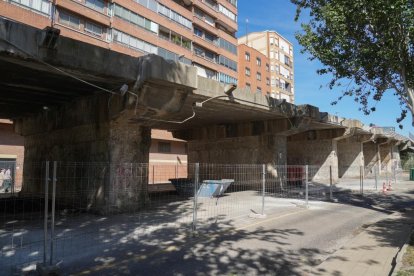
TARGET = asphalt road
(289,242)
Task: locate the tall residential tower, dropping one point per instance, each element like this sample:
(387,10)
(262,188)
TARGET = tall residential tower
(279,51)
(196,32)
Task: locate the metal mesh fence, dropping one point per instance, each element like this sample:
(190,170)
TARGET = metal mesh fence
(22,222)
(99,206)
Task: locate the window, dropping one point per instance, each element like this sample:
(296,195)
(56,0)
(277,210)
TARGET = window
(224,44)
(42,6)
(227,79)
(98,5)
(209,37)
(233,2)
(227,13)
(176,17)
(93,29)
(287,60)
(267,81)
(228,63)
(247,56)
(248,85)
(136,19)
(133,42)
(247,71)
(164,147)
(198,32)
(69,20)
(259,90)
(258,62)
(258,76)
(267,67)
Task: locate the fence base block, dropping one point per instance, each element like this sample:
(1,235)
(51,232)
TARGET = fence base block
(259,216)
(47,270)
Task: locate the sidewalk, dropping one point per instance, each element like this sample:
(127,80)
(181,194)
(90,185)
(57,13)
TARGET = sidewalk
(372,251)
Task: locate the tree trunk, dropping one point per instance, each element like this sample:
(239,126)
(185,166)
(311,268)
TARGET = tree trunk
(410,97)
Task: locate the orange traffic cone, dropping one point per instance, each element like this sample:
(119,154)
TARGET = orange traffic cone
(384,189)
(389,186)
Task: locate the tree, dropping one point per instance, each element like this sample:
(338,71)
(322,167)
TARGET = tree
(369,44)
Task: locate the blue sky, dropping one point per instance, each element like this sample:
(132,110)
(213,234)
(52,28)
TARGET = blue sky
(279,15)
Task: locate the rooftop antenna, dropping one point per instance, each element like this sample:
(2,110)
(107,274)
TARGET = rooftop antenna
(247,34)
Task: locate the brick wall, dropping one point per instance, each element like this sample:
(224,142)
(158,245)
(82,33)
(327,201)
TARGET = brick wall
(12,148)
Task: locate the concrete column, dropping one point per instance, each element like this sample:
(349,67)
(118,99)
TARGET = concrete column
(316,149)
(100,154)
(371,157)
(350,157)
(385,152)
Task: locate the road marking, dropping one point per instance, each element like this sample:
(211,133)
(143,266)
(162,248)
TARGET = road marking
(270,219)
(173,248)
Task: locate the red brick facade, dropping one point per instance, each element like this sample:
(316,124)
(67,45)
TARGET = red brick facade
(11,149)
(254,70)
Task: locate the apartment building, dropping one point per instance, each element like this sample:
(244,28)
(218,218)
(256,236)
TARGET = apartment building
(200,33)
(196,32)
(254,70)
(280,53)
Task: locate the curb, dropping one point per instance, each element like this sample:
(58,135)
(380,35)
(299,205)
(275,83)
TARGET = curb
(397,260)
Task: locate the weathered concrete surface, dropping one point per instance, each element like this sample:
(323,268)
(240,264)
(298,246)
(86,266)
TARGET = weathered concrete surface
(371,157)
(318,149)
(83,131)
(350,152)
(350,157)
(264,149)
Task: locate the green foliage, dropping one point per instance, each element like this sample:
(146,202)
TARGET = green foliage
(367,46)
(407,161)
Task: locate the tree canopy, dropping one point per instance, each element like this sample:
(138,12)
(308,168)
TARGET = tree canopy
(366,45)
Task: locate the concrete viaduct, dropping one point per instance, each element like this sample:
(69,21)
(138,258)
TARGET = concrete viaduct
(77,102)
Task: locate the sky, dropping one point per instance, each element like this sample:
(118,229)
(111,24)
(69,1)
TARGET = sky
(279,15)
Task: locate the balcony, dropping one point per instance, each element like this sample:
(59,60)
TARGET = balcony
(208,6)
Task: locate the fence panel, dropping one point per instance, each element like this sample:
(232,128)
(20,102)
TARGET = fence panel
(100,205)
(225,192)
(22,219)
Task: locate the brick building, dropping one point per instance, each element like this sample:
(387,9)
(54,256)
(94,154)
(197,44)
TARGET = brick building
(280,53)
(200,33)
(254,70)
(11,152)
(168,157)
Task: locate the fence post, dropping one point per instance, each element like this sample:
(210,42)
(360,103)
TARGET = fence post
(52,224)
(196,180)
(376,169)
(306,186)
(395,174)
(330,183)
(361,172)
(45,238)
(263,187)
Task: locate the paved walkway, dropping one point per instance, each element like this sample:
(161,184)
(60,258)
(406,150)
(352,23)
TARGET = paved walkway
(372,251)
